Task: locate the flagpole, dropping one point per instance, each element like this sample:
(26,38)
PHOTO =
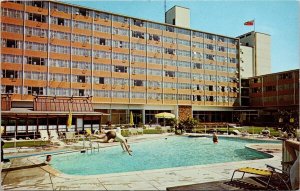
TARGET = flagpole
(254,24)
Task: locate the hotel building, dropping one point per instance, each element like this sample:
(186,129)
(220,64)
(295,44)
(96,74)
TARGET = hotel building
(125,64)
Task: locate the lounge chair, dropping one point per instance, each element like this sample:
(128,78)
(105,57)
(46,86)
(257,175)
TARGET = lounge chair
(70,136)
(270,172)
(44,135)
(240,133)
(54,138)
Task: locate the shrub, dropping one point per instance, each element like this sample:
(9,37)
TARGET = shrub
(125,132)
(152,131)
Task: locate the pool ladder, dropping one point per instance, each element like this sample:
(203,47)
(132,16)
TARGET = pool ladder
(91,148)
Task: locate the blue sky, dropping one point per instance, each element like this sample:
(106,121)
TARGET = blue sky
(280,19)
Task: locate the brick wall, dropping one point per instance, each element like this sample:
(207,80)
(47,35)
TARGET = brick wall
(184,112)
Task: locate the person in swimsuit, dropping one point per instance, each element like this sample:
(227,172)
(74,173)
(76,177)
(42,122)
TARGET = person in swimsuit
(215,138)
(112,135)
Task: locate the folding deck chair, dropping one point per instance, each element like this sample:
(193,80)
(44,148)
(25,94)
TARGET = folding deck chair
(264,172)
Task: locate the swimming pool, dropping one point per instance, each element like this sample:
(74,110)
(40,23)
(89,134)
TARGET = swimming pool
(157,154)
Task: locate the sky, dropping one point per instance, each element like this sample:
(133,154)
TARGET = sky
(278,18)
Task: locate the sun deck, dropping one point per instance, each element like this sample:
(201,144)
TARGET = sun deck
(28,176)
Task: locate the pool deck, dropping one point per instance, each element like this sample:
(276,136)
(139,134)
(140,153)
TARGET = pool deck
(25,174)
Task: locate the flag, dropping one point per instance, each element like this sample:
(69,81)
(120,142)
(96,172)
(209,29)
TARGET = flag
(69,122)
(249,23)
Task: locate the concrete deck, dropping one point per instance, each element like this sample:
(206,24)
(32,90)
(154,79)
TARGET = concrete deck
(25,175)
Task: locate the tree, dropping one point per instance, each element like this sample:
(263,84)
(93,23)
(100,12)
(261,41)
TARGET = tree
(188,124)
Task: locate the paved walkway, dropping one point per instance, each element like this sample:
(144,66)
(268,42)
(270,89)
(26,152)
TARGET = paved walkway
(30,177)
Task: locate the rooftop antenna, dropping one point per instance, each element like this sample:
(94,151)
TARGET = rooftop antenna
(165,6)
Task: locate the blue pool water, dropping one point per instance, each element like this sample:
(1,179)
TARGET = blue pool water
(157,154)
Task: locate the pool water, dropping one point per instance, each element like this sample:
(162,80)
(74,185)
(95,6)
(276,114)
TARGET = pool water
(157,154)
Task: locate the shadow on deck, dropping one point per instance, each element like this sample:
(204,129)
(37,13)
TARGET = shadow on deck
(251,183)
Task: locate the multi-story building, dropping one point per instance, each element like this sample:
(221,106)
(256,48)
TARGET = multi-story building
(275,90)
(271,95)
(255,54)
(125,63)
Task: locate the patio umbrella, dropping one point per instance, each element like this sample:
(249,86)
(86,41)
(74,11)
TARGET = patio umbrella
(165,115)
(69,122)
(131,123)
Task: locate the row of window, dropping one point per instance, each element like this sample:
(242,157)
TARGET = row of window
(87,79)
(101,54)
(124,20)
(122,69)
(31,90)
(85,25)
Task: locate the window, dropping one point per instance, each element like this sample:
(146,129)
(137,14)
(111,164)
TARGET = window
(170,51)
(183,42)
(137,46)
(102,28)
(209,36)
(12,13)
(36,17)
(138,34)
(197,34)
(183,53)
(82,25)
(122,69)
(102,67)
(183,31)
(10,74)
(210,57)
(103,16)
(101,80)
(170,29)
(59,63)
(197,66)
(81,92)
(121,19)
(198,44)
(154,37)
(81,79)
(210,46)
(11,58)
(11,43)
(285,76)
(35,91)
(156,26)
(102,41)
(60,7)
(120,44)
(209,98)
(137,22)
(170,73)
(135,58)
(36,61)
(118,31)
(138,83)
(12,28)
(60,21)
(154,60)
(170,62)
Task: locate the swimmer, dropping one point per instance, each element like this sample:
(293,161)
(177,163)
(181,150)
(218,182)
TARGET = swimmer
(215,138)
(123,142)
(48,159)
(107,137)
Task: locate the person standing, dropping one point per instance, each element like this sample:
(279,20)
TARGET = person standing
(215,138)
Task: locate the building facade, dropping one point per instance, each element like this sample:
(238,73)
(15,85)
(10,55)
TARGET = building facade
(272,96)
(125,64)
(255,54)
